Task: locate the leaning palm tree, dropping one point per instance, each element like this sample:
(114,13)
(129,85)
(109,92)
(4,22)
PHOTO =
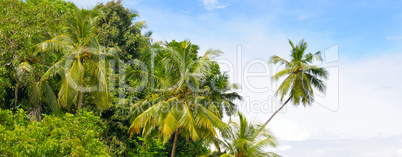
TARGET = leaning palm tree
(83,66)
(301,76)
(176,108)
(246,139)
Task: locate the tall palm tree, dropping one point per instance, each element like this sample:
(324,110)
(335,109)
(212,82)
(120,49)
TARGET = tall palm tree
(176,108)
(301,76)
(84,61)
(246,139)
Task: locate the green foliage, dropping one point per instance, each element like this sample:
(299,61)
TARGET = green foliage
(115,134)
(20,31)
(117,30)
(4,83)
(178,105)
(84,66)
(219,92)
(60,6)
(147,148)
(72,135)
(246,139)
(150,147)
(188,148)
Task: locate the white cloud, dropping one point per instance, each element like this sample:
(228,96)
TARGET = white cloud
(370,147)
(286,129)
(212,4)
(280,148)
(284,148)
(399,152)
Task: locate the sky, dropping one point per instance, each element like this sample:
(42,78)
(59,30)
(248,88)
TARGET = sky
(360,113)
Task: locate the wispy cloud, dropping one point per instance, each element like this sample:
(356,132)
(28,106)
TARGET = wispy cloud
(212,4)
(394,37)
(390,146)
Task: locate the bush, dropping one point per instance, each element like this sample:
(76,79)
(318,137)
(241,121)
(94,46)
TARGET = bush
(72,135)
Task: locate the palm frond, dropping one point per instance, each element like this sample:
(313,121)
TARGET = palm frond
(50,98)
(276,59)
(140,25)
(23,70)
(61,43)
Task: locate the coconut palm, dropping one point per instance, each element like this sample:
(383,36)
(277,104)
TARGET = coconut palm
(177,108)
(83,66)
(246,139)
(23,74)
(301,76)
(221,95)
(26,80)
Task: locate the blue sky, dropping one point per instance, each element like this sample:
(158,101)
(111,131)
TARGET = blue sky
(359,115)
(365,28)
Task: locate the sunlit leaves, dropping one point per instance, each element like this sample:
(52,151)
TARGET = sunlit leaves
(83,57)
(178,106)
(68,135)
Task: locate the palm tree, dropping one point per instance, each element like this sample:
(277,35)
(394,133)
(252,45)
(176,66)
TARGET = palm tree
(28,82)
(301,76)
(25,79)
(246,139)
(84,61)
(220,94)
(177,107)
(221,97)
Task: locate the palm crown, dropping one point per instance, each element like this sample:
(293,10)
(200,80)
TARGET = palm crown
(247,139)
(177,108)
(301,75)
(84,61)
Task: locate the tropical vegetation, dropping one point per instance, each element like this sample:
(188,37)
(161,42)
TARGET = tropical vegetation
(92,82)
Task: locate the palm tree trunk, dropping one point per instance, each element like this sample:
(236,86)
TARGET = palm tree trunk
(270,118)
(175,142)
(277,111)
(16,95)
(35,113)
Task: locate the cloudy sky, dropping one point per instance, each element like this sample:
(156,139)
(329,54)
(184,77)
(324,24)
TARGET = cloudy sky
(361,112)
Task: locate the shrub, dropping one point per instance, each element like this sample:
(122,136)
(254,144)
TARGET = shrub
(72,135)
